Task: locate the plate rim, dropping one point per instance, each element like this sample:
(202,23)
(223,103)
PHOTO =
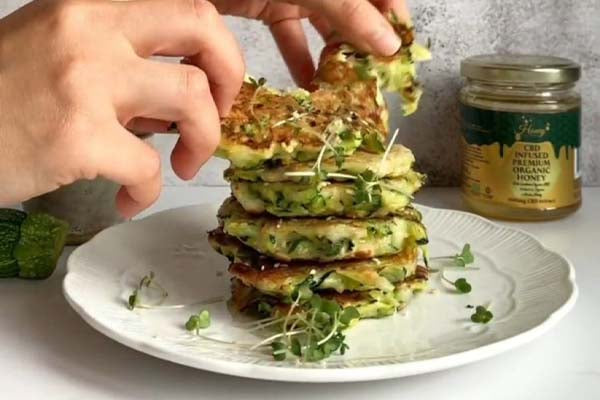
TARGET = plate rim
(329,375)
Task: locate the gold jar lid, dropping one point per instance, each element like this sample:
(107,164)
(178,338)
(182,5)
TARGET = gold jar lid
(524,69)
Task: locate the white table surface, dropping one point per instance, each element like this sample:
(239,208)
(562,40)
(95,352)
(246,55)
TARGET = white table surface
(48,352)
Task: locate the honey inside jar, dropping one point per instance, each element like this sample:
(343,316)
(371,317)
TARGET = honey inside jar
(521,136)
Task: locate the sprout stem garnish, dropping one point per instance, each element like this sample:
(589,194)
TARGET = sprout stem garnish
(387,151)
(311,329)
(295,117)
(463,259)
(457,261)
(317,165)
(461,284)
(146,283)
(259,85)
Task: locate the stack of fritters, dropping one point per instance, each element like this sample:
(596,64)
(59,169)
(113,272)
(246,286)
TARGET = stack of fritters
(318,202)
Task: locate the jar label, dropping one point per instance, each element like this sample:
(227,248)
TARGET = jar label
(522,160)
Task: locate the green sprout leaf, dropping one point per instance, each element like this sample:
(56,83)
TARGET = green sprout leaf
(348,315)
(368,176)
(134,300)
(343,348)
(147,280)
(198,321)
(322,318)
(264,308)
(482,315)
(346,134)
(312,328)
(257,83)
(193,323)
(372,142)
(367,191)
(296,347)
(314,353)
(462,285)
(330,308)
(465,257)
(279,351)
(204,319)
(303,293)
(315,302)
(331,346)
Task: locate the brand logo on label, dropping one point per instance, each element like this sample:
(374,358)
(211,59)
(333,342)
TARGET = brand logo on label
(528,131)
(483,127)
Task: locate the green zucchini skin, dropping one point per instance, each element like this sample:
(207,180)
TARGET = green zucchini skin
(41,243)
(10,232)
(30,245)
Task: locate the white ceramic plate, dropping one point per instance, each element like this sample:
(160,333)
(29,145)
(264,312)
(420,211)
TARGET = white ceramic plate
(528,288)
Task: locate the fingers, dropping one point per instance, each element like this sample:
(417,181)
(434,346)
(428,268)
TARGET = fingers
(291,40)
(191,28)
(399,7)
(179,93)
(148,125)
(124,158)
(359,22)
(131,200)
(320,23)
(330,36)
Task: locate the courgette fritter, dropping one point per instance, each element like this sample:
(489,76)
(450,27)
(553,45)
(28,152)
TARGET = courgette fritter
(319,239)
(282,279)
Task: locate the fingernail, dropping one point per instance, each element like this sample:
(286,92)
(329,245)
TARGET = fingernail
(388,43)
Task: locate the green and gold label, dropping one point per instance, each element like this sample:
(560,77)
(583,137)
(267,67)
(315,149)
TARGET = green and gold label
(523,160)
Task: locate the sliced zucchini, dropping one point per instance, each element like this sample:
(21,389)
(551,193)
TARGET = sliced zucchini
(40,245)
(10,228)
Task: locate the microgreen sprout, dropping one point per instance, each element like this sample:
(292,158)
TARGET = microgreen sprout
(457,261)
(316,170)
(364,188)
(465,257)
(279,350)
(198,321)
(258,84)
(461,284)
(367,186)
(461,260)
(319,161)
(148,282)
(295,117)
(310,330)
(482,315)
(134,299)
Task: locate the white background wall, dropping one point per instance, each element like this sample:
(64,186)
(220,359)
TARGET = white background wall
(457,28)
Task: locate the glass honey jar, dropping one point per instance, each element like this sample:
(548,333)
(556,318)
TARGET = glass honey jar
(521,136)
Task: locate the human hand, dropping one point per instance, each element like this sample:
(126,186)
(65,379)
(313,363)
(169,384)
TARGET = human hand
(359,22)
(75,74)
